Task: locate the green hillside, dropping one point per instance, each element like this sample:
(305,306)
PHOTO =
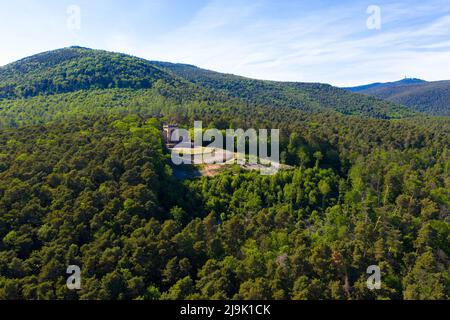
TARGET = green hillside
(304,96)
(378,85)
(73,69)
(86,180)
(427,97)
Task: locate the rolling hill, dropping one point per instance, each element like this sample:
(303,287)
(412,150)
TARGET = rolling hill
(86,180)
(75,68)
(427,97)
(305,96)
(378,85)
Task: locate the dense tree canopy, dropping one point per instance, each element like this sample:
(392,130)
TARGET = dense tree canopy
(429,97)
(100,194)
(85,179)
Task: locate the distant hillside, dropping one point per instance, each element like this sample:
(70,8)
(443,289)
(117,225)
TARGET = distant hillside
(74,69)
(378,85)
(305,96)
(428,97)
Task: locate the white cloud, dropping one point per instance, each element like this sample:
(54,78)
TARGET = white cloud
(326,44)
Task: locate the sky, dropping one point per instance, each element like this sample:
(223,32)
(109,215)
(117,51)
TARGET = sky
(344,43)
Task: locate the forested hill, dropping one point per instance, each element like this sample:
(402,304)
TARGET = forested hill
(379,85)
(428,97)
(74,69)
(86,180)
(306,96)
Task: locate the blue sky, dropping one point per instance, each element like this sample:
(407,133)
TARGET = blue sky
(313,41)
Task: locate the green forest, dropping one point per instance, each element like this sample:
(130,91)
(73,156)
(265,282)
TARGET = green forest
(429,97)
(86,179)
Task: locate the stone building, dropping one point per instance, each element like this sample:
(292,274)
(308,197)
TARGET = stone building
(170,133)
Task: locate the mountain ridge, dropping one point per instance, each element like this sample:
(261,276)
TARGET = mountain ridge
(278,93)
(78,68)
(405,81)
(422,96)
